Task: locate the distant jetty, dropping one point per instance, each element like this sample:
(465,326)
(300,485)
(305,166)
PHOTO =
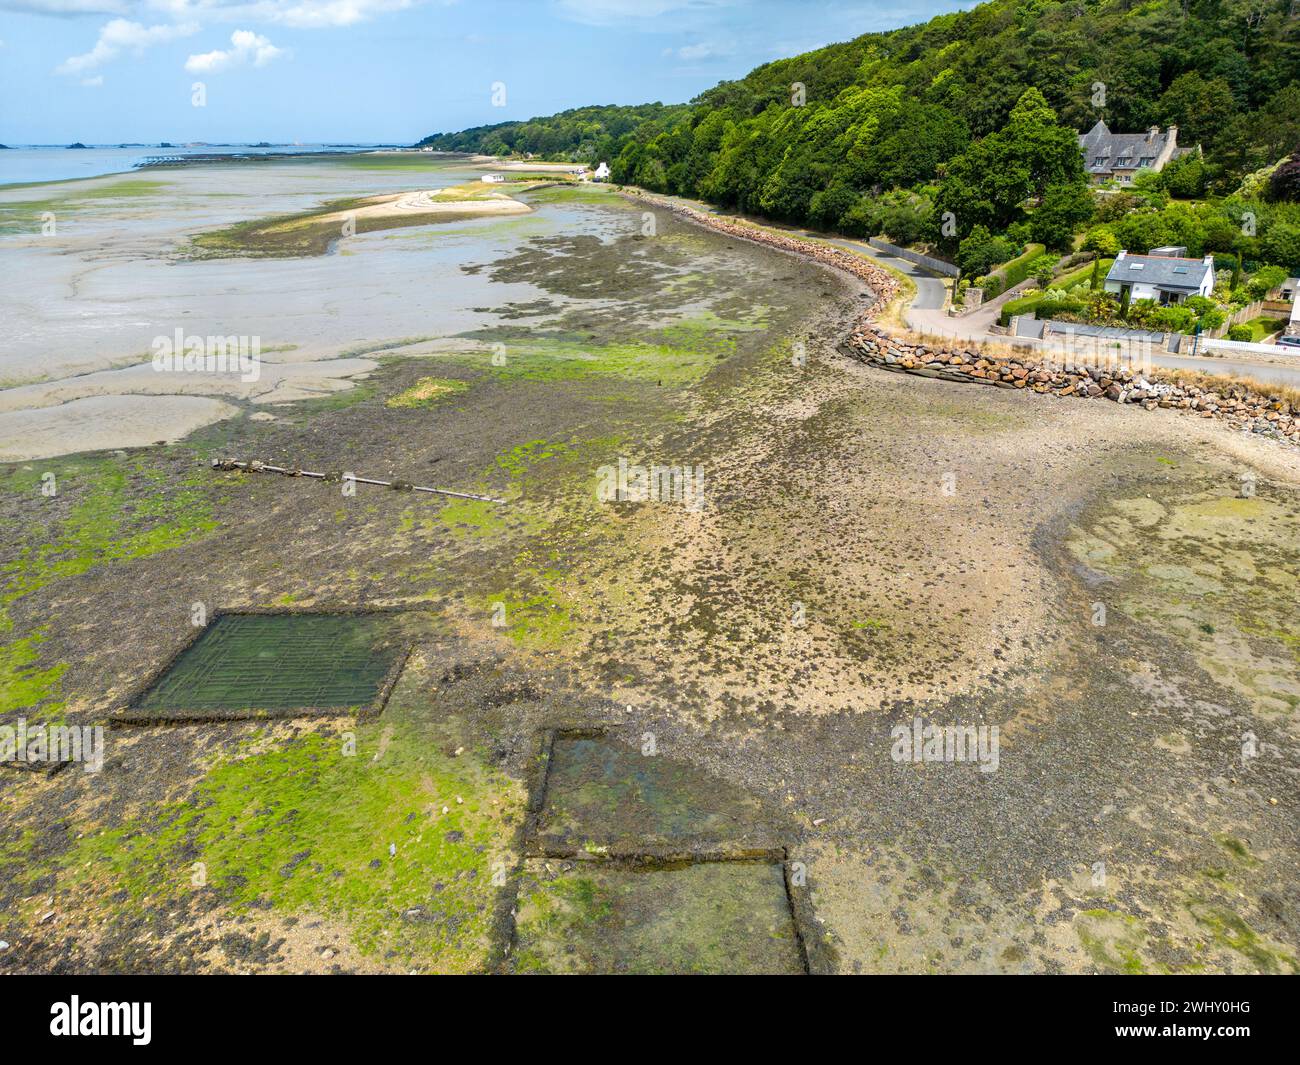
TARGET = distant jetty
(209,158)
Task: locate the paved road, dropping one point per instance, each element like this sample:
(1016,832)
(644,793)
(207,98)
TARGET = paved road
(1261,371)
(925,314)
(930,288)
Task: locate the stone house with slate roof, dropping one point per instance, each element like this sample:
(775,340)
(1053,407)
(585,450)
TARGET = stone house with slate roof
(1118,157)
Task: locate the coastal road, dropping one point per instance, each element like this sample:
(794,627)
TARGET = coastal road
(930,288)
(925,314)
(1261,371)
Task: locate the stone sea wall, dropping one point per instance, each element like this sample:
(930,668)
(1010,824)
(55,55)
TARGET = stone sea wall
(1241,407)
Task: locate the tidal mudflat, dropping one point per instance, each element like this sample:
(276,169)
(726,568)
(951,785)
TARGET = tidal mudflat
(99,270)
(873,551)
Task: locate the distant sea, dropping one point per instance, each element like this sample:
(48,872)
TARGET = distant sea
(22,163)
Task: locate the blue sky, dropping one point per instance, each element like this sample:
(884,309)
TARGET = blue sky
(109,71)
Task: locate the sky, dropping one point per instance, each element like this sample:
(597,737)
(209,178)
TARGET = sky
(381,71)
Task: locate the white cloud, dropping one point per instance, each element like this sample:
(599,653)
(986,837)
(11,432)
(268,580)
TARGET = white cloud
(695,52)
(307,14)
(71,7)
(310,14)
(122,35)
(246,46)
(93,83)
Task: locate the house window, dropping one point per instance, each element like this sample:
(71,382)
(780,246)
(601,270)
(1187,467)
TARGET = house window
(1100,160)
(1124,160)
(1146,160)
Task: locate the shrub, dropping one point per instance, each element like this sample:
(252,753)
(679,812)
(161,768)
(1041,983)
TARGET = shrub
(1050,308)
(1041,267)
(1264,281)
(1212,319)
(1173,319)
(1240,331)
(1140,312)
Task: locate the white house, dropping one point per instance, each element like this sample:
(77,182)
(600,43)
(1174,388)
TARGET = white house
(492,179)
(1291,334)
(1163,278)
(602,172)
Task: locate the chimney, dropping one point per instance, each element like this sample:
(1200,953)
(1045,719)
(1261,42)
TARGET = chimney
(1153,133)
(1172,136)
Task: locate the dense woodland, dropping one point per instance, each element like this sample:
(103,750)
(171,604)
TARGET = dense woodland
(961,131)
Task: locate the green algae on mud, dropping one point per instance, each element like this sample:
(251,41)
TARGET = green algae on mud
(374,826)
(704,918)
(426,392)
(521,554)
(108,520)
(673,356)
(27,216)
(1214,569)
(1112,940)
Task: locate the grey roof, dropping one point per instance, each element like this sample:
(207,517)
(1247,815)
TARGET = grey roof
(1163,271)
(1104,151)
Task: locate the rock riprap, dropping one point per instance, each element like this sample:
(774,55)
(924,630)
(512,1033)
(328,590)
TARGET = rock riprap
(1241,407)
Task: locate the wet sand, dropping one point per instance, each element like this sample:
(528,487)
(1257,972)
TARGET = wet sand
(1125,829)
(89,300)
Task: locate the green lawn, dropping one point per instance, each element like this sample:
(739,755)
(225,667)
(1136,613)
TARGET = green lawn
(1263,326)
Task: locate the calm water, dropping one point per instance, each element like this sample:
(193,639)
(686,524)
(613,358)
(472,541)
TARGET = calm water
(23,164)
(85,298)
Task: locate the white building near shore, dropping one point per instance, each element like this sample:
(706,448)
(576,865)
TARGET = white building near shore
(1163,278)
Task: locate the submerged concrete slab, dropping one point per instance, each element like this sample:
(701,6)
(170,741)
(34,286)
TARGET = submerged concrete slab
(605,917)
(605,797)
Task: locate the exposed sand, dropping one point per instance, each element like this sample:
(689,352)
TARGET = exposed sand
(86,305)
(275,382)
(100,422)
(431,202)
(140,405)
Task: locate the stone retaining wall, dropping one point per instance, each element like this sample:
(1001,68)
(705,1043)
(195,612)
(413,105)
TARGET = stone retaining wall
(1240,407)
